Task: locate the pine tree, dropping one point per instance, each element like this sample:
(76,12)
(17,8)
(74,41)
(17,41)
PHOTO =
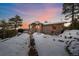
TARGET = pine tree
(71,10)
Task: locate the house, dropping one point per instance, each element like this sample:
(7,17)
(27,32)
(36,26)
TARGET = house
(36,27)
(47,28)
(54,28)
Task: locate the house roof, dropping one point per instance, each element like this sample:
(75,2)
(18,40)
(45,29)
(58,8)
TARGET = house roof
(51,22)
(54,23)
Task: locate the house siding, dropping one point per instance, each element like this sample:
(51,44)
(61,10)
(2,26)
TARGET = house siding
(48,28)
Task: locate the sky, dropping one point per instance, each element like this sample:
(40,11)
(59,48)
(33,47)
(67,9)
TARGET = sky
(31,12)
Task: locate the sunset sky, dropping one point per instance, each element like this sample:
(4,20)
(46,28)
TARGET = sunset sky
(31,12)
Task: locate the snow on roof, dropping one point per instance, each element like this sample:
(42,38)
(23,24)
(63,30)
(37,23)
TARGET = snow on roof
(57,21)
(48,23)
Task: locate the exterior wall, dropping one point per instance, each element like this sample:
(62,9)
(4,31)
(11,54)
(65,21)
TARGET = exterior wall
(53,28)
(39,28)
(33,29)
(48,29)
(36,28)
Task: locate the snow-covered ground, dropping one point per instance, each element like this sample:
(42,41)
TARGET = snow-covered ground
(73,33)
(48,45)
(74,48)
(73,41)
(15,46)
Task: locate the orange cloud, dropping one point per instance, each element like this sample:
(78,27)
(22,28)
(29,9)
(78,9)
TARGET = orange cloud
(48,14)
(25,25)
(40,15)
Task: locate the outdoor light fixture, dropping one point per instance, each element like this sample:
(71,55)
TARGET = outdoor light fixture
(67,24)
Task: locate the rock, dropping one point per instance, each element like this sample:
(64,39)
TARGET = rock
(60,40)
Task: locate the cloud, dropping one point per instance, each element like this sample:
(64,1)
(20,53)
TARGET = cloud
(49,14)
(41,15)
(25,25)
